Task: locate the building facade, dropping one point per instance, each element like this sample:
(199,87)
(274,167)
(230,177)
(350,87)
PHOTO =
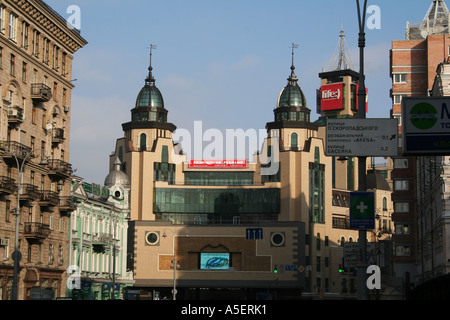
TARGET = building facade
(212,228)
(414,63)
(36,55)
(98,234)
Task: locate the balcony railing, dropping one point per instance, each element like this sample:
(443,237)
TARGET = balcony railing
(67,203)
(49,198)
(29,192)
(40,92)
(58,135)
(59,167)
(36,230)
(7,185)
(13,148)
(102,239)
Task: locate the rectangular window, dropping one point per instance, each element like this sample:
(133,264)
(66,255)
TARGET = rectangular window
(402,250)
(402,228)
(12,27)
(63,64)
(400,163)
(35,44)
(25,27)
(2,19)
(398,98)
(24,72)
(12,65)
(400,78)
(401,185)
(401,206)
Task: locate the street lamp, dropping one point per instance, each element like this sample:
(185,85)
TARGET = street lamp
(17,256)
(363,293)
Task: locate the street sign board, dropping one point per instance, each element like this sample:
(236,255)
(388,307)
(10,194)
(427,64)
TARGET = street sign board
(375,254)
(426,125)
(362,210)
(361,137)
(254,233)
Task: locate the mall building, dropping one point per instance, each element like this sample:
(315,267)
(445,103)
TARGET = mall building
(271,228)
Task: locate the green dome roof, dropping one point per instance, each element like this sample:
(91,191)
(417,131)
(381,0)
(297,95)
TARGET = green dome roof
(292,95)
(149,96)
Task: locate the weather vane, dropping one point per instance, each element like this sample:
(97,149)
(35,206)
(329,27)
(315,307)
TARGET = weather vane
(150,68)
(294,46)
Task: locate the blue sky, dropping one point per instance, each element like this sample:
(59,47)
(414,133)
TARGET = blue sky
(221,62)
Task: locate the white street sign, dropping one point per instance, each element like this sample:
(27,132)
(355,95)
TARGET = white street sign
(361,137)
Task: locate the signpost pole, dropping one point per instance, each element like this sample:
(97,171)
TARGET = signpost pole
(363,293)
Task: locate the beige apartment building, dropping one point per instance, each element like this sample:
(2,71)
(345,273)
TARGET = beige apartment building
(272,227)
(36,56)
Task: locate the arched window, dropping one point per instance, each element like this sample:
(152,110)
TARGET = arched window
(384,204)
(294,141)
(143,142)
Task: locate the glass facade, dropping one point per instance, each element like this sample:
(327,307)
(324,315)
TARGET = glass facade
(317,189)
(215,178)
(217,201)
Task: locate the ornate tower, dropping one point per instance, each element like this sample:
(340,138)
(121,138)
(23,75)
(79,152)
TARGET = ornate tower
(148,117)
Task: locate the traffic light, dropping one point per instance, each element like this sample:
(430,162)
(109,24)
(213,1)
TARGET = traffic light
(275,269)
(341,269)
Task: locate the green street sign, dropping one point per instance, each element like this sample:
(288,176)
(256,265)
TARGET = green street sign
(362,210)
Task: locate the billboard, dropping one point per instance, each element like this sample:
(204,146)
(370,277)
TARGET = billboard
(332,97)
(426,125)
(214,261)
(218,163)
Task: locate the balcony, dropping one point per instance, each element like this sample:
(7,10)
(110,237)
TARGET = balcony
(12,149)
(40,92)
(36,230)
(15,115)
(48,198)
(67,204)
(29,192)
(7,185)
(59,168)
(57,136)
(101,241)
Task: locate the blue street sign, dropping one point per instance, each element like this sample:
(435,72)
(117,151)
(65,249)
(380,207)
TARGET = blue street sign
(254,233)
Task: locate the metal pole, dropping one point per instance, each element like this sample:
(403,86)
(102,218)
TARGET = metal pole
(174,268)
(114,260)
(17,256)
(363,292)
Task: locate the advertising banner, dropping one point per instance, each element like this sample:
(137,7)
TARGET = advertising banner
(426,125)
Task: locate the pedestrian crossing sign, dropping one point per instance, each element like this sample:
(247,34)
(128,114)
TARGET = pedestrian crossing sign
(362,210)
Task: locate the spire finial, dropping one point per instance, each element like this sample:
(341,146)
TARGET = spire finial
(150,68)
(293,78)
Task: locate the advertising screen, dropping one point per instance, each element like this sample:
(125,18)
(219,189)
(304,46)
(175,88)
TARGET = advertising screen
(214,261)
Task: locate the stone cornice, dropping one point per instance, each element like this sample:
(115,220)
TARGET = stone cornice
(47,19)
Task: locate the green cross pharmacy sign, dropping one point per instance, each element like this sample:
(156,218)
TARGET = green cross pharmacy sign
(362,210)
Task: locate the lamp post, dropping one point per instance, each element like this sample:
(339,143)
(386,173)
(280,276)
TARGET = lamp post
(17,256)
(363,293)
